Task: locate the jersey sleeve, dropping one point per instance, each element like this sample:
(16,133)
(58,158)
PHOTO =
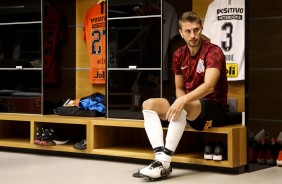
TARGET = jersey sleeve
(215,58)
(177,58)
(84,31)
(207,22)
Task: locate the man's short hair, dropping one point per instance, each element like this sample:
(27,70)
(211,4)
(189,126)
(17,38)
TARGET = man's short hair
(189,16)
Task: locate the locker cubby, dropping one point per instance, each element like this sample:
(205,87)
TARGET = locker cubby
(14,132)
(127,138)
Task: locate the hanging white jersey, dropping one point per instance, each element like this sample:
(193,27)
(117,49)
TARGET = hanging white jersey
(224,25)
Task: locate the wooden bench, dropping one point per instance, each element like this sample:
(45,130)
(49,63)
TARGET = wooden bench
(122,138)
(127,138)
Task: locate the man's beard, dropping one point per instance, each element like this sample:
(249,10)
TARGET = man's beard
(195,43)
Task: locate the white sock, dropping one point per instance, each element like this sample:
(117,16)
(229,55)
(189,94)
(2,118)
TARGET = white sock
(153,128)
(173,136)
(164,158)
(175,131)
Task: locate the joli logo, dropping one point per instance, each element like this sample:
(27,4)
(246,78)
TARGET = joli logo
(232,70)
(100,74)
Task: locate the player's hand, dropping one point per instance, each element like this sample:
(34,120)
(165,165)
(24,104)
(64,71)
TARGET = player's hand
(175,109)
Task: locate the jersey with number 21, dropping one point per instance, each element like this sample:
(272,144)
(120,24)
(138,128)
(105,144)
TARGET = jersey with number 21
(94,35)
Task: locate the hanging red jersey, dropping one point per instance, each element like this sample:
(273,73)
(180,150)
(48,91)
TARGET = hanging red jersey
(54,31)
(94,35)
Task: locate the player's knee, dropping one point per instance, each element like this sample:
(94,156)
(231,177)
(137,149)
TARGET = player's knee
(148,104)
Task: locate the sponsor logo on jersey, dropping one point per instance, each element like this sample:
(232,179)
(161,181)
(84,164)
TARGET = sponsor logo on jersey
(230,17)
(233,14)
(102,24)
(232,70)
(98,75)
(230,10)
(98,19)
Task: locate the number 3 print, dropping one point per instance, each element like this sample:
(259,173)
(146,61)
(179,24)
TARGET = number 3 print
(228,27)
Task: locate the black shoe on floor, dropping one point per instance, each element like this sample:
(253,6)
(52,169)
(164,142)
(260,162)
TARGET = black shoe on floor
(38,136)
(208,151)
(80,145)
(49,138)
(219,152)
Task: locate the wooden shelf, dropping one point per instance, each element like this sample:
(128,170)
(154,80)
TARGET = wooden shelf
(15,142)
(62,148)
(47,118)
(122,138)
(127,138)
(30,122)
(123,151)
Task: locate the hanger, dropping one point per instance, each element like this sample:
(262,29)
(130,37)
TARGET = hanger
(100,1)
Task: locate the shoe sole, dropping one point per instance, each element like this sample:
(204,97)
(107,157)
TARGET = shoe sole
(213,157)
(261,161)
(37,141)
(52,143)
(60,142)
(139,175)
(208,156)
(155,179)
(279,163)
(270,162)
(47,143)
(217,157)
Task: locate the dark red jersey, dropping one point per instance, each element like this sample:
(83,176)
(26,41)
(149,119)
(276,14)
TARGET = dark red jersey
(193,68)
(54,32)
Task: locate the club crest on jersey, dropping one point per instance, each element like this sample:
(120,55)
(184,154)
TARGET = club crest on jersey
(200,66)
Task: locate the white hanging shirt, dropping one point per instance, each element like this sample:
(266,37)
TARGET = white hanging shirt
(224,25)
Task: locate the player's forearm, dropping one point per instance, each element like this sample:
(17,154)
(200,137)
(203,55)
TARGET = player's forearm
(200,92)
(179,92)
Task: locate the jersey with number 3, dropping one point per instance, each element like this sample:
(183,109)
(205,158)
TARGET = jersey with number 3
(94,35)
(224,25)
